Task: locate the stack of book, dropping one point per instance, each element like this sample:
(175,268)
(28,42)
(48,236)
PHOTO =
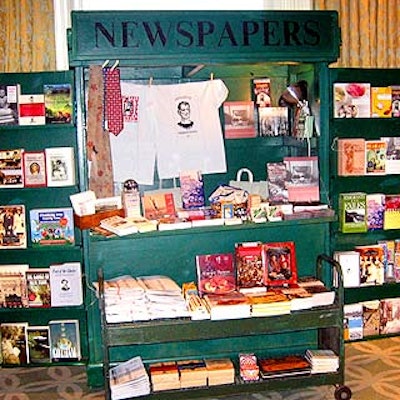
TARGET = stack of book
(299,298)
(322,361)
(164,376)
(193,373)
(249,369)
(220,371)
(269,303)
(321,295)
(197,307)
(279,367)
(228,306)
(128,378)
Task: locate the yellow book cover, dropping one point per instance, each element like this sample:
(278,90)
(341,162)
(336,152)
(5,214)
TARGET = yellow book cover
(381,102)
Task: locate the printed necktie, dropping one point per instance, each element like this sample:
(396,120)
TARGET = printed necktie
(113,101)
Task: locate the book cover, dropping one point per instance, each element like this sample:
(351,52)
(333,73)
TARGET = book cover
(392,154)
(66,284)
(352,100)
(215,273)
(64,340)
(60,166)
(119,225)
(375,157)
(280,268)
(9,104)
(31,109)
(11,170)
(38,344)
(351,156)
(273,121)
(14,343)
(13,293)
(192,189)
(158,205)
(303,183)
(371,317)
(372,264)
(390,316)
(375,211)
(396,101)
(353,321)
(13,222)
(38,287)
(277,178)
(239,120)
(352,212)
(381,102)
(58,103)
(350,265)
(52,227)
(391,215)
(249,266)
(262,92)
(283,364)
(34,164)
(389,248)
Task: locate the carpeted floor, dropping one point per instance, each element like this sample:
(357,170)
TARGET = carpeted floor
(372,372)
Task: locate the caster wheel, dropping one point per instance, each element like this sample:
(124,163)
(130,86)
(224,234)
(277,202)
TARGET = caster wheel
(343,393)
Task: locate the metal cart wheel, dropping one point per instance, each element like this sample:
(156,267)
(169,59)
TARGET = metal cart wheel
(343,393)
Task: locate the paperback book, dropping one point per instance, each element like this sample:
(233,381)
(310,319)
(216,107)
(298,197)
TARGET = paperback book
(14,343)
(352,212)
(192,189)
(60,166)
(391,215)
(58,103)
(352,100)
(158,205)
(38,287)
(34,163)
(11,171)
(375,211)
(64,340)
(375,157)
(350,266)
(239,120)
(52,227)
(277,178)
(13,286)
(351,157)
(392,154)
(273,121)
(390,316)
(38,344)
(13,220)
(381,102)
(9,104)
(372,264)
(353,321)
(262,92)
(31,109)
(284,366)
(371,318)
(396,101)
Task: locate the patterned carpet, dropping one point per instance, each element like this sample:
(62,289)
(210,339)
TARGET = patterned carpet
(372,372)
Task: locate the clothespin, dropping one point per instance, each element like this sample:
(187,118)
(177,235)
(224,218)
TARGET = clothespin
(105,63)
(150,81)
(115,65)
(212,76)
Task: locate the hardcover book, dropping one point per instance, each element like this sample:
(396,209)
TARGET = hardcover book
(391,215)
(239,120)
(38,287)
(9,104)
(375,211)
(64,340)
(381,102)
(58,103)
(372,264)
(351,157)
(66,284)
(158,205)
(192,189)
(277,178)
(13,292)
(13,221)
(11,171)
(396,101)
(352,100)
(31,109)
(280,268)
(52,227)
(38,344)
(284,366)
(14,343)
(352,212)
(34,163)
(273,121)
(60,166)
(215,273)
(375,157)
(392,154)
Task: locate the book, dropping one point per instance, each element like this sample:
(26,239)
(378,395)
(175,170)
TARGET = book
(277,178)
(273,121)
(38,287)
(164,376)
(13,293)
(173,223)
(52,227)
(353,321)
(9,104)
(392,154)
(239,120)
(391,215)
(351,157)
(215,273)
(375,157)
(389,249)
(381,102)
(350,266)
(31,109)
(158,205)
(395,101)
(13,222)
(248,367)
(288,365)
(66,284)
(375,211)
(64,340)
(38,344)
(262,92)
(352,212)
(34,169)
(390,316)
(11,170)
(192,189)
(60,166)
(352,100)
(280,268)
(58,103)
(303,182)
(371,317)
(220,371)
(372,264)
(119,225)
(14,343)
(233,305)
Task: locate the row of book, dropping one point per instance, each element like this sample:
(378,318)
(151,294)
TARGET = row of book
(59,285)
(22,344)
(50,167)
(371,318)
(359,157)
(52,106)
(360,212)
(362,100)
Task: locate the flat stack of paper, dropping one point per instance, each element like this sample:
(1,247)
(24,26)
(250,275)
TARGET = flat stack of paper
(322,361)
(129,379)
(165,298)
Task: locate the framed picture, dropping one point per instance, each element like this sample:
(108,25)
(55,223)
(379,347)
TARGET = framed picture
(280,267)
